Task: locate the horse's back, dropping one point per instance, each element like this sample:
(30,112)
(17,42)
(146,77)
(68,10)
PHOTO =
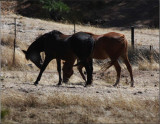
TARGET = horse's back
(109,44)
(113,37)
(82,44)
(56,45)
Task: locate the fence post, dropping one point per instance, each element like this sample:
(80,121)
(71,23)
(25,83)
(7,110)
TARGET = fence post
(132,36)
(151,53)
(74,28)
(15,30)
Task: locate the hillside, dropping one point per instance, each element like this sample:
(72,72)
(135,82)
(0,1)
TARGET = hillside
(105,13)
(22,102)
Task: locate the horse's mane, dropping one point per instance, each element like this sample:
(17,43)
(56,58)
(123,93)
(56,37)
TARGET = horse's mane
(89,33)
(39,40)
(54,32)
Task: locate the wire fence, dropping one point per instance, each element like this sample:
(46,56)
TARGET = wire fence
(25,32)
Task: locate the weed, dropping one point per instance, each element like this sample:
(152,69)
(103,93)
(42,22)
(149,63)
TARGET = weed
(4,113)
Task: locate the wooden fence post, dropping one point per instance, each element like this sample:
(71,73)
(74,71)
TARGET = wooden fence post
(132,36)
(14,47)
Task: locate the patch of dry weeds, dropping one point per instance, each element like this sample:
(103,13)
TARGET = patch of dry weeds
(76,108)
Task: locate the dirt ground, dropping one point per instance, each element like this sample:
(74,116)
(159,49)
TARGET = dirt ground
(146,83)
(72,102)
(17,83)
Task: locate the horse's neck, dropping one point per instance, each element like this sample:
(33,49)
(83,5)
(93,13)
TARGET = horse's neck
(36,47)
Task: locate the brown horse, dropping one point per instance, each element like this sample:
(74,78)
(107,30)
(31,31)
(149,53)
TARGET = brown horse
(111,45)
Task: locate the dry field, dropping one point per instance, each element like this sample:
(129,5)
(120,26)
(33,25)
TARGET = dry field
(22,102)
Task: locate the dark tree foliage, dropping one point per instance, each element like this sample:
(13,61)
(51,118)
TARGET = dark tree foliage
(56,8)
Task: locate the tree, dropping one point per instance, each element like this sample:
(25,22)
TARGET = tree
(56,8)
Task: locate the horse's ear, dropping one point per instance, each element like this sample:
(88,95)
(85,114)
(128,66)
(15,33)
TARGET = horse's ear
(25,52)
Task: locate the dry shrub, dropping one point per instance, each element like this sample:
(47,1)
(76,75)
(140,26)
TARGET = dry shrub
(6,56)
(31,101)
(7,40)
(142,53)
(146,65)
(75,115)
(134,109)
(63,100)
(69,108)
(20,61)
(7,59)
(21,101)
(8,52)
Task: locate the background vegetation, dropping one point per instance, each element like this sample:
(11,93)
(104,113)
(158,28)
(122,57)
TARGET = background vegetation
(104,13)
(72,103)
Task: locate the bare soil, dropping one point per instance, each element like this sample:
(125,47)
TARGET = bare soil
(16,85)
(146,83)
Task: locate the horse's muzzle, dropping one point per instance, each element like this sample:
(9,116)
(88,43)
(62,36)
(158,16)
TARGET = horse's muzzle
(65,80)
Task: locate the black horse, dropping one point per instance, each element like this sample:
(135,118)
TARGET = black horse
(82,45)
(58,46)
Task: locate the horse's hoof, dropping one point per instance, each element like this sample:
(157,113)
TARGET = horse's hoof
(59,84)
(114,85)
(87,85)
(35,83)
(132,84)
(66,82)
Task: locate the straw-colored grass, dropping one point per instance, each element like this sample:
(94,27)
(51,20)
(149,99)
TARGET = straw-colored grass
(148,66)
(65,107)
(74,108)
(29,29)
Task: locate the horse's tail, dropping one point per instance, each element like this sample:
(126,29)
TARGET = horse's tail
(119,53)
(124,51)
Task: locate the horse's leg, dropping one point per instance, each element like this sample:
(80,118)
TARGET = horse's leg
(126,61)
(118,70)
(59,70)
(89,70)
(79,67)
(46,62)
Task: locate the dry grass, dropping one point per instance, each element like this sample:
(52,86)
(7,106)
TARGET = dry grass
(7,53)
(64,107)
(29,29)
(148,66)
(69,108)
(143,111)
(20,61)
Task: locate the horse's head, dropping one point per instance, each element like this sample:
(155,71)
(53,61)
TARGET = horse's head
(34,57)
(67,71)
